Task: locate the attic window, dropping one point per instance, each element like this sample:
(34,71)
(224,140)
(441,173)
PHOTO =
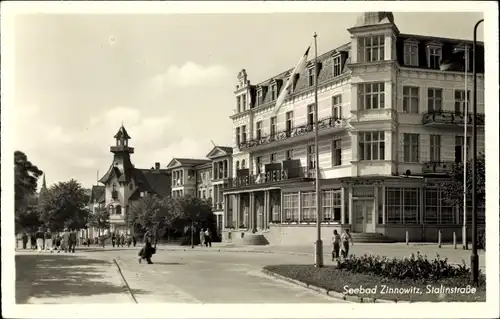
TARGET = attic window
(410,53)
(259,96)
(310,76)
(434,54)
(337,65)
(274,89)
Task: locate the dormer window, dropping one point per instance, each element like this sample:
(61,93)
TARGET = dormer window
(463,50)
(259,96)
(371,49)
(434,55)
(310,76)
(337,65)
(274,93)
(410,53)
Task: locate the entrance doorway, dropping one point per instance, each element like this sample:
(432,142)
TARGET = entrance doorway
(363,213)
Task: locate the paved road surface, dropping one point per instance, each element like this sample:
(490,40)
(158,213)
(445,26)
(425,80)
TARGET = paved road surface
(176,276)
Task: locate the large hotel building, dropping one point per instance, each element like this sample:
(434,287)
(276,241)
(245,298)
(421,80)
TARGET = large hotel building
(391,125)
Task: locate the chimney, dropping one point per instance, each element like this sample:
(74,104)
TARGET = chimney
(157,165)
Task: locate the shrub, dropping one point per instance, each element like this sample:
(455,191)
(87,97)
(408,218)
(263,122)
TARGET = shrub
(416,267)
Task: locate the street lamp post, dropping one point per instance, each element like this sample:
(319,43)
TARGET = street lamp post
(474,260)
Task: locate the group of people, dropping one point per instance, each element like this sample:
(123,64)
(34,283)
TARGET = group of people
(121,240)
(205,237)
(340,244)
(49,242)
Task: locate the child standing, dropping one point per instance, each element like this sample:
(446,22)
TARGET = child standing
(335,245)
(346,239)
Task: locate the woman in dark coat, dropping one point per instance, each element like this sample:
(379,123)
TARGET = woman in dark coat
(147,251)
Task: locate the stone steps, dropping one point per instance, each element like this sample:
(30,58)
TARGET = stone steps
(254,239)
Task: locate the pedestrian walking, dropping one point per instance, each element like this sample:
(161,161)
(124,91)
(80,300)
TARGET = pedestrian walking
(122,239)
(134,240)
(58,241)
(65,240)
(113,239)
(72,241)
(39,239)
(147,251)
(32,241)
(346,239)
(335,245)
(25,240)
(202,237)
(208,238)
(129,240)
(48,241)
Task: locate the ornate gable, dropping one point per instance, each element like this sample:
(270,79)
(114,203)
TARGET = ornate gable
(174,163)
(216,152)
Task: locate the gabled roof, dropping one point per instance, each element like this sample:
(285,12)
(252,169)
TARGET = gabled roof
(113,171)
(122,133)
(97,193)
(219,151)
(151,181)
(186,162)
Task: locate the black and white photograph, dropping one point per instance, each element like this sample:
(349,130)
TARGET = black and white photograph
(237,158)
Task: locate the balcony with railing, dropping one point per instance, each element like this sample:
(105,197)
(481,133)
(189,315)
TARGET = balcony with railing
(121,148)
(437,167)
(325,125)
(447,118)
(218,207)
(262,178)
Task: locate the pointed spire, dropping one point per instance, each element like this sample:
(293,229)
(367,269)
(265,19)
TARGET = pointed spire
(122,133)
(44,183)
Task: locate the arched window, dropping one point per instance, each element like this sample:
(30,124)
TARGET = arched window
(242,164)
(237,164)
(118,209)
(111,209)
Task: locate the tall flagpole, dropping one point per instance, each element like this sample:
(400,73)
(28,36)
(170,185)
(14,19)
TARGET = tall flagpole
(318,251)
(466,117)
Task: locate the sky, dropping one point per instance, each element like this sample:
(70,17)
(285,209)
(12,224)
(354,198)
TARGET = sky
(168,78)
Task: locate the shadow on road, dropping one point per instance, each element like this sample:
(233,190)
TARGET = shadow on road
(164,263)
(53,276)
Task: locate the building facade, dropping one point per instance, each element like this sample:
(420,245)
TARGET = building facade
(391,125)
(204,178)
(124,184)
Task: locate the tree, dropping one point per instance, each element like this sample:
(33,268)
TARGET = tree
(64,205)
(454,189)
(100,218)
(194,210)
(26,176)
(154,212)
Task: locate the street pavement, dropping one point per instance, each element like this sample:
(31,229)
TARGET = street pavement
(176,276)
(47,278)
(392,250)
(221,274)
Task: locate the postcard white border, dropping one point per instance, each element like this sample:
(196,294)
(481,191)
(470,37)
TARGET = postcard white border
(430,310)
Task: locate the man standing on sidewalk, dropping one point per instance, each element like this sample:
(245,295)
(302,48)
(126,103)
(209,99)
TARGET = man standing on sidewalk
(39,239)
(48,241)
(72,241)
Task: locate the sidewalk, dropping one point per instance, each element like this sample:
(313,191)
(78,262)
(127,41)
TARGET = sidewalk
(389,250)
(66,279)
(392,250)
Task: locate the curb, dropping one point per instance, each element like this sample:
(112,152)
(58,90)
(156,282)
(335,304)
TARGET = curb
(125,284)
(330,293)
